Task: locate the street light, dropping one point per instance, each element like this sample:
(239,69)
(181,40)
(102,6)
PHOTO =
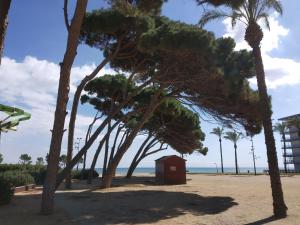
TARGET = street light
(77,145)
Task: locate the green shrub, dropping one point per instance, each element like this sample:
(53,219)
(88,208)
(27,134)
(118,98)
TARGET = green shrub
(38,172)
(17,178)
(6,191)
(29,168)
(83,174)
(39,176)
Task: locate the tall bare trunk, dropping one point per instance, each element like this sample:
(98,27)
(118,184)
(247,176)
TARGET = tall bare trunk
(279,207)
(236,161)
(221,152)
(61,105)
(4,9)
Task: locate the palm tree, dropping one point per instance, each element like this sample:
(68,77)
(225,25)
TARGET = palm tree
(250,12)
(295,122)
(219,132)
(281,128)
(234,137)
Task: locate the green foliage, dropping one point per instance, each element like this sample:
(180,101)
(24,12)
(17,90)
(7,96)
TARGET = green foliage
(40,161)
(103,27)
(63,160)
(14,117)
(25,159)
(83,174)
(187,60)
(219,131)
(39,175)
(176,36)
(233,136)
(231,3)
(17,178)
(280,128)
(38,172)
(138,7)
(1,158)
(6,191)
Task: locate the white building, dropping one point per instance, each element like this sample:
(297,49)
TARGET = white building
(292,155)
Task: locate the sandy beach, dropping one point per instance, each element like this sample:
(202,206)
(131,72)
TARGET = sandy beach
(205,199)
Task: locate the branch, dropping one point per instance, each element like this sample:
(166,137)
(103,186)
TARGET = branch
(66,17)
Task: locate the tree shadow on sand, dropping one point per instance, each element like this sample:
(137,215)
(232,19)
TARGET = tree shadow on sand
(264,221)
(134,207)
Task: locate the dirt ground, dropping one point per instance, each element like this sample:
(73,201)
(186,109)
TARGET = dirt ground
(205,199)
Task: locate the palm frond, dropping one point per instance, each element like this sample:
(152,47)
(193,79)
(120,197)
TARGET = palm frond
(265,17)
(212,15)
(276,5)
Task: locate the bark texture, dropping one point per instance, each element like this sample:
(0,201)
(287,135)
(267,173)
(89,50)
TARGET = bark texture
(61,105)
(236,161)
(4,9)
(279,207)
(254,36)
(221,153)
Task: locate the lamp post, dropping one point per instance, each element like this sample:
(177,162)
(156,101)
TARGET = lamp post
(77,145)
(253,155)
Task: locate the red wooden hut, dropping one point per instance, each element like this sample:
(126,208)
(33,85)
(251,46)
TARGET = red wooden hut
(170,170)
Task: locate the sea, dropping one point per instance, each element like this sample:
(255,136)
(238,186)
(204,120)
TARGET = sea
(204,170)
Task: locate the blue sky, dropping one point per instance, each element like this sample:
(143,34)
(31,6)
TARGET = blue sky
(35,44)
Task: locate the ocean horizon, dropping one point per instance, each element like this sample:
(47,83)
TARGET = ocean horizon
(151,170)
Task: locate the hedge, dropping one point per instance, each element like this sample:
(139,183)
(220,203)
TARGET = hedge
(17,178)
(83,174)
(6,191)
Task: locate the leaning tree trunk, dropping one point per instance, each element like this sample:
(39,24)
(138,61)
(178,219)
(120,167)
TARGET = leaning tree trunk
(253,36)
(61,106)
(134,163)
(236,162)
(221,152)
(74,114)
(107,179)
(4,8)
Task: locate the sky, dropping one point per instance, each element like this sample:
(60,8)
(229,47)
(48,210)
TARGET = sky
(35,44)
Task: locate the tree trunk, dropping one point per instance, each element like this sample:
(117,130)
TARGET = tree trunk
(74,114)
(236,161)
(284,152)
(107,179)
(112,153)
(105,156)
(4,9)
(279,207)
(133,163)
(104,139)
(221,152)
(61,105)
(93,137)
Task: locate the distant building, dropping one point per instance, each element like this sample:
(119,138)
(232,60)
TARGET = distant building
(292,155)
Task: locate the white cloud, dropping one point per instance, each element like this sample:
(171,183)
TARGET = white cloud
(32,85)
(279,71)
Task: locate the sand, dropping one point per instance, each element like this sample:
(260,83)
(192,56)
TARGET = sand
(205,199)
